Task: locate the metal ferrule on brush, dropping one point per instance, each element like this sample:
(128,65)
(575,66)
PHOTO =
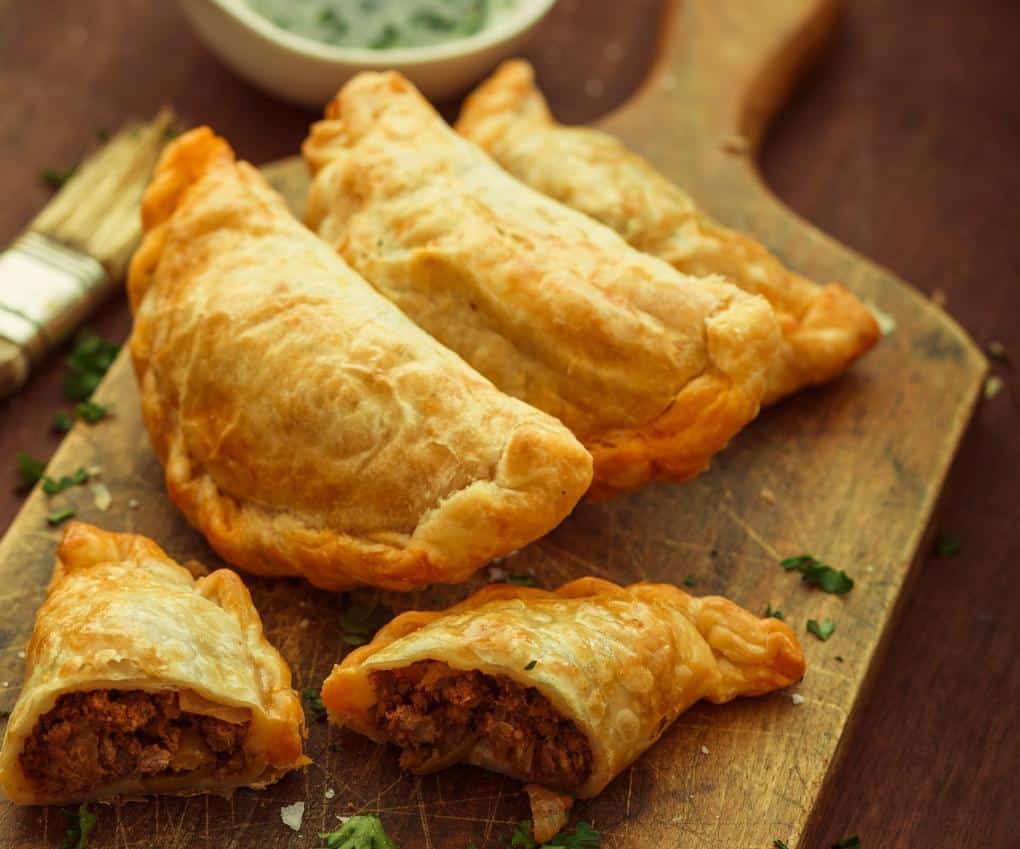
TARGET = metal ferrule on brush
(46,290)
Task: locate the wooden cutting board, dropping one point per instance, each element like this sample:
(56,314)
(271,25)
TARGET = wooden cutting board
(850,473)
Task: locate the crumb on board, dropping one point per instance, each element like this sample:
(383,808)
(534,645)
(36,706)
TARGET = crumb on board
(736,144)
(768,496)
(704,750)
(797,699)
(997,351)
(993,386)
(133,503)
(101,496)
(886,323)
(330,793)
(292,815)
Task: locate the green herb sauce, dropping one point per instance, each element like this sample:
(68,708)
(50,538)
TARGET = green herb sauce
(383,24)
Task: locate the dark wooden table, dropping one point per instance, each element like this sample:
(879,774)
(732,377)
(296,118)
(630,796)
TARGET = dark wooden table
(902,143)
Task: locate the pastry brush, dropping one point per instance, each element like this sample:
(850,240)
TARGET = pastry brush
(76,250)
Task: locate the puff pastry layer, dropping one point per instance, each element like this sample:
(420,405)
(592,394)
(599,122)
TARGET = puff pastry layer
(616,665)
(305,425)
(652,370)
(126,626)
(825,328)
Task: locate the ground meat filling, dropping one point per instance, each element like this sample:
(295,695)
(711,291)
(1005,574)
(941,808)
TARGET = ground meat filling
(95,738)
(434,712)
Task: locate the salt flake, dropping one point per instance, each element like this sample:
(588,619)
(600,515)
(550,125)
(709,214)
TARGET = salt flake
(292,815)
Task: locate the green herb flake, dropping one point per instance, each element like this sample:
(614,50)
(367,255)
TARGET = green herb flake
(780,844)
(690,581)
(313,704)
(521,580)
(361,832)
(62,422)
(90,411)
(947,545)
(55,178)
(59,516)
(30,470)
(79,826)
(853,842)
(52,487)
(88,361)
(581,836)
(823,630)
(814,573)
(531,666)
(360,620)
(773,614)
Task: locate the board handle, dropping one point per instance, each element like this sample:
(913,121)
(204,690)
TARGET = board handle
(725,69)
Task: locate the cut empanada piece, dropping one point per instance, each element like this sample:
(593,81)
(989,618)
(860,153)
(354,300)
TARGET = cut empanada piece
(825,328)
(140,679)
(306,426)
(562,689)
(653,371)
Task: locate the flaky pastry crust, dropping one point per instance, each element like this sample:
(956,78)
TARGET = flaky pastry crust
(621,663)
(653,371)
(305,425)
(120,614)
(825,328)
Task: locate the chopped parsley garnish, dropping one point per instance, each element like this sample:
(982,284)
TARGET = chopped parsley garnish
(780,844)
(581,836)
(773,614)
(313,704)
(814,573)
(56,177)
(947,545)
(690,581)
(30,470)
(62,422)
(79,826)
(60,516)
(52,487)
(531,666)
(853,842)
(521,580)
(361,832)
(360,620)
(89,360)
(823,630)
(90,411)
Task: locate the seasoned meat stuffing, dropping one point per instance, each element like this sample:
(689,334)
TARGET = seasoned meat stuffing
(432,712)
(98,737)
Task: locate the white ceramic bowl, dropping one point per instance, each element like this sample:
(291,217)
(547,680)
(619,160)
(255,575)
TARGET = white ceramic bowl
(310,73)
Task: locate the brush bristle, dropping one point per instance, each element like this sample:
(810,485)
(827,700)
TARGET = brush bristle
(96,212)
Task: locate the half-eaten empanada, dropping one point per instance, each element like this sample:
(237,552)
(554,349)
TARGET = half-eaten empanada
(653,371)
(825,328)
(140,679)
(562,689)
(307,426)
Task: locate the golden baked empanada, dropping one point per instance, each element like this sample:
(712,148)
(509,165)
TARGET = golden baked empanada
(306,426)
(141,679)
(825,328)
(652,370)
(563,689)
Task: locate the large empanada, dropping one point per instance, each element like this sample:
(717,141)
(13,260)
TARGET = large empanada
(306,426)
(563,689)
(652,370)
(825,328)
(140,679)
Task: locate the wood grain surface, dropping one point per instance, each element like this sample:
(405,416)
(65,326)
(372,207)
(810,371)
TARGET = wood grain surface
(852,494)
